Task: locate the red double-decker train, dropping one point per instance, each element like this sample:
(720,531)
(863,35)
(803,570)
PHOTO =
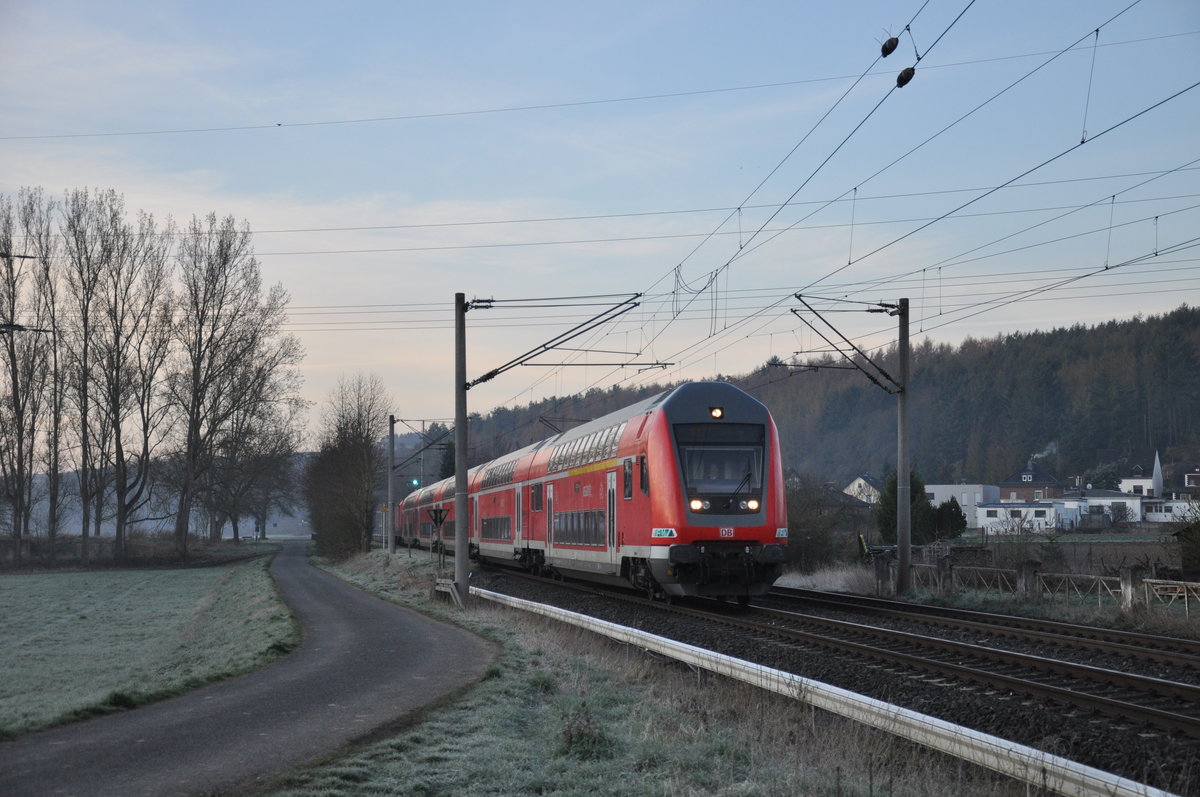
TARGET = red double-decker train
(680,494)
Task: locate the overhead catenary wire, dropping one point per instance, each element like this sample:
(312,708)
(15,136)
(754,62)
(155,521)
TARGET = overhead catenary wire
(771,307)
(817,170)
(733,311)
(1029,171)
(377,119)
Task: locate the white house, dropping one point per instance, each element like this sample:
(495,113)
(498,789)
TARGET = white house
(1166,510)
(1025,518)
(969,497)
(1142,476)
(865,488)
(1113,504)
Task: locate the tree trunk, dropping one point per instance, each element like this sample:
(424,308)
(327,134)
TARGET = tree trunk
(182,515)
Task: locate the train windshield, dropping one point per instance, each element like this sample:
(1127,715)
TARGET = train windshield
(721,458)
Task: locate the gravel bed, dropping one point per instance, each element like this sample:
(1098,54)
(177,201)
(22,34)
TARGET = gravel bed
(1148,756)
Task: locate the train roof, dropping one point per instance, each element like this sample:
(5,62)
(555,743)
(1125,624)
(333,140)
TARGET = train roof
(605,421)
(682,392)
(679,392)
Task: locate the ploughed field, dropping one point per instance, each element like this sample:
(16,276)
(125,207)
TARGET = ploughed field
(1142,747)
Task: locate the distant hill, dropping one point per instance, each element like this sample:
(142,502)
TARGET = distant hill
(978,411)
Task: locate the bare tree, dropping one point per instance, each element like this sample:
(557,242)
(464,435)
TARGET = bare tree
(252,470)
(91,233)
(342,481)
(37,222)
(132,342)
(23,357)
(231,356)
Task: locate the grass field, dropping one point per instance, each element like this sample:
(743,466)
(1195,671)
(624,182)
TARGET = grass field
(561,713)
(566,713)
(75,644)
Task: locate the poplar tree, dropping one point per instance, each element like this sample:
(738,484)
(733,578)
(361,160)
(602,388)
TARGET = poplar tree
(231,356)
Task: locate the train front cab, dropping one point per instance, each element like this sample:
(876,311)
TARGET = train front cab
(721,527)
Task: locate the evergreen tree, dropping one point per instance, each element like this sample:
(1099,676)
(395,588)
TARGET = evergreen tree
(951,520)
(447,468)
(923,517)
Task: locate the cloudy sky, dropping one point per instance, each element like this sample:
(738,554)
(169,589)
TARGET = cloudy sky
(1042,168)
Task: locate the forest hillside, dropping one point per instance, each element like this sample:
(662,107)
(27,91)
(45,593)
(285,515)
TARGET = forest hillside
(978,411)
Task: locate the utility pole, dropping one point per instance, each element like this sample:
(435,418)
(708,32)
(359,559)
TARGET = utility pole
(903,469)
(461,530)
(899,387)
(391,510)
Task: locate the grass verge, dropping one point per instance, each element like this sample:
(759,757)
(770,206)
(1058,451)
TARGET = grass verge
(76,644)
(566,713)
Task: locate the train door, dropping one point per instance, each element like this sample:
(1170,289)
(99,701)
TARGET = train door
(611,516)
(517,517)
(549,515)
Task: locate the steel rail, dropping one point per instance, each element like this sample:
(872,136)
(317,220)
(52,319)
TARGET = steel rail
(1120,709)
(1165,649)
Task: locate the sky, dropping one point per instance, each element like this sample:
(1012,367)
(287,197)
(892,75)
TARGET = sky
(1040,169)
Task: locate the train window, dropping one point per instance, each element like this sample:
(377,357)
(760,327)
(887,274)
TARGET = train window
(627,466)
(535,497)
(721,458)
(617,438)
(497,528)
(645,474)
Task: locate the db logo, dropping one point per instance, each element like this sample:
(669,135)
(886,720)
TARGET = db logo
(726,532)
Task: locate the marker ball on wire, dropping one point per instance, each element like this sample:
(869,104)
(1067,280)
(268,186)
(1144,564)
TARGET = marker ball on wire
(905,76)
(890,46)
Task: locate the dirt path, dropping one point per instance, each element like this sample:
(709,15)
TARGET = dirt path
(364,667)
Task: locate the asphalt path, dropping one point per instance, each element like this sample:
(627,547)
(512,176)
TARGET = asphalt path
(364,668)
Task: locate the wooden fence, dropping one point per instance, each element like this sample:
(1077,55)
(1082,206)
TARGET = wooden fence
(1027,584)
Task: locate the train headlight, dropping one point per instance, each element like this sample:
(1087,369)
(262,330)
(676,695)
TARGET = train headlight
(696,504)
(752,504)
(717,412)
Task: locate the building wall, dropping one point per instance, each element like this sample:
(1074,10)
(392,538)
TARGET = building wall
(860,489)
(1018,518)
(969,497)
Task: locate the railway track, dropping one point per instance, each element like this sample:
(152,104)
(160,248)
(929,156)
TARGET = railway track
(1168,706)
(1116,720)
(1165,705)
(1176,651)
